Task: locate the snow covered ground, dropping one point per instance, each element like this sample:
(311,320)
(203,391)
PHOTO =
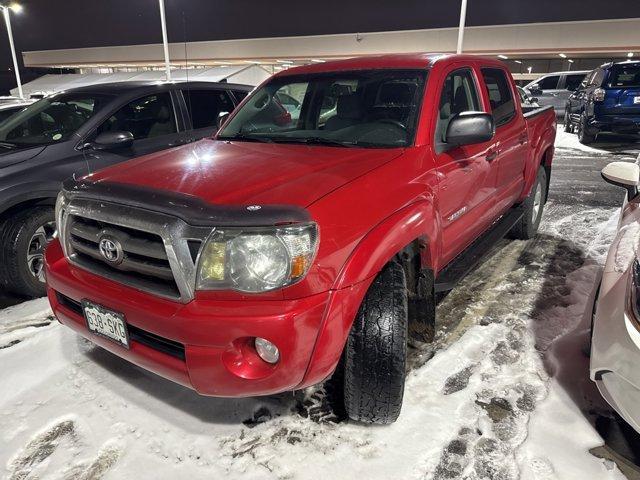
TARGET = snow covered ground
(503,393)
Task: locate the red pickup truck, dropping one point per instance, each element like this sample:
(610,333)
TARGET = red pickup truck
(312,235)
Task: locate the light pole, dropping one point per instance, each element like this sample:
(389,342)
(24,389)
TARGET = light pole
(463,17)
(167,67)
(5,11)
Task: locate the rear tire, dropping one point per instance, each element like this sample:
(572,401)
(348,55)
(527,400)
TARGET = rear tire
(583,136)
(533,205)
(375,356)
(23,239)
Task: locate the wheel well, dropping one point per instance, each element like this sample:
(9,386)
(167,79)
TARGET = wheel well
(420,290)
(545,161)
(19,207)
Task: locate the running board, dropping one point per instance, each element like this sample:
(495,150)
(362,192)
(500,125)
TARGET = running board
(464,263)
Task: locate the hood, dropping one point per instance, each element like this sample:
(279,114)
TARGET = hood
(10,156)
(221,172)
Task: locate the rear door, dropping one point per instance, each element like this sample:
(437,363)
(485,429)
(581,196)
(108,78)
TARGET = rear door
(204,106)
(466,174)
(511,137)
(151,119)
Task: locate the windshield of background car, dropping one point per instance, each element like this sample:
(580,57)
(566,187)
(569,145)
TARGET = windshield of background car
(622,76)
(364,108)
(51,120)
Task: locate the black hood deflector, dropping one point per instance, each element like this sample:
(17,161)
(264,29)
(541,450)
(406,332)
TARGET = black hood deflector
(192,210)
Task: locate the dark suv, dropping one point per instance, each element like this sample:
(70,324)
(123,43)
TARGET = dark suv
(608,100)
(80,131)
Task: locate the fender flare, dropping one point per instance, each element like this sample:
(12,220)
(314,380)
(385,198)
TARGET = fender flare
(28,193)
(415,221)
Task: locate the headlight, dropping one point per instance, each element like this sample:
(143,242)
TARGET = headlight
(256,260)
(633,289)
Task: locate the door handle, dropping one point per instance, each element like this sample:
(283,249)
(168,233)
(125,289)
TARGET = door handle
(523,138)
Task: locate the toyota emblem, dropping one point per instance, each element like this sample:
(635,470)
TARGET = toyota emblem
(111,250)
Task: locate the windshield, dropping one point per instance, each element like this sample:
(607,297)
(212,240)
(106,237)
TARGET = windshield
(50,120)
(623,76)
(365,108)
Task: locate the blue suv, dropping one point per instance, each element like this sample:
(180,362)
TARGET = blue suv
(607,100)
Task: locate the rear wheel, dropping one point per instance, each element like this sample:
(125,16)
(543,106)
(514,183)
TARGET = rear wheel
(375,356)
(23,239)
(533,206)
(584,136)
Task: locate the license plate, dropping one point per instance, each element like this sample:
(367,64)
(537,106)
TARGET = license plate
(636,100)
(106,323)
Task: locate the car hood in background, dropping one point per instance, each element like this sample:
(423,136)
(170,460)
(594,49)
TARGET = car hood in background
(221,172)
(10,156)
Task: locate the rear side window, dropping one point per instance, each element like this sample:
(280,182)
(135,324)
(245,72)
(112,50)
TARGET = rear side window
(598,77)
(572,82)
(458,95)
(503,106)
(206,105)
(622,76)
(549,83)
(147,117)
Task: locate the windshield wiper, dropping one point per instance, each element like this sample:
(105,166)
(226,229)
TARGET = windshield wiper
(315,141)
(8,145)
(246,137)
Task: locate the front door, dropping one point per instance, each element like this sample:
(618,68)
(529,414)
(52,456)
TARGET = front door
(466,173)
(151,120)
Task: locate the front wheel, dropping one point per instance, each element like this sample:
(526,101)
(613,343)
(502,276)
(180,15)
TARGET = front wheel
(533,206)
(375,356)
(23,239)
(568,127)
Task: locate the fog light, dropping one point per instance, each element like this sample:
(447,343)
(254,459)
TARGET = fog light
(267,350)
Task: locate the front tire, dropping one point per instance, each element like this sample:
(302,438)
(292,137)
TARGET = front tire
(533,206)
(23,239)
(568,127)
(375,356)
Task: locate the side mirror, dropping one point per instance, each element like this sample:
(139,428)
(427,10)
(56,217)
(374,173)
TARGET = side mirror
(222,117)
(468,128)
(535,89)
(623,174)
(111,141)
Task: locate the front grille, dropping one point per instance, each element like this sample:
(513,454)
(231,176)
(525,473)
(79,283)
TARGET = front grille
(144,262)
(151,340)
(156,253)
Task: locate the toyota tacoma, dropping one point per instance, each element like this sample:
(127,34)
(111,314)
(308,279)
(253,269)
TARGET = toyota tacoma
(290,248)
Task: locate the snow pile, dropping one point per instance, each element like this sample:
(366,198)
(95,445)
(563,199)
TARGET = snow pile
(570,141)
(500,395)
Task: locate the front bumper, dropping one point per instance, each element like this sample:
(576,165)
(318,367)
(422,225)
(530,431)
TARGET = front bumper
(209,343)
(615,352)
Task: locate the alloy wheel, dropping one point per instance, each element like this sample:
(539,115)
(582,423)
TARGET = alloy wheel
(35,251)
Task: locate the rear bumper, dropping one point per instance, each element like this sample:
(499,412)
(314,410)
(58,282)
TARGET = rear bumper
(616,123)
(209,343)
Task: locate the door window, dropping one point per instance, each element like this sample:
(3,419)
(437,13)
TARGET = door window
(206,105)
(549,83)
(573,81)
(503,106)
(240,94)
(458,95)
(147,117)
